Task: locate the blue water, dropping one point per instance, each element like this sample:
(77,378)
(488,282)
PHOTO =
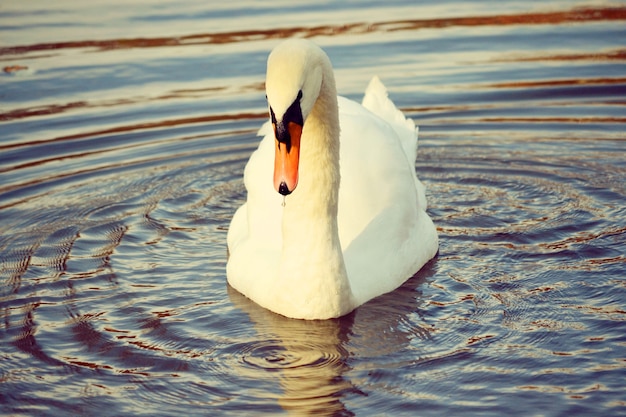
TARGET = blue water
(124,130)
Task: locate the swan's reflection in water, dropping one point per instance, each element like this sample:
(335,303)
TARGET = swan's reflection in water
(308,358)
(311,360)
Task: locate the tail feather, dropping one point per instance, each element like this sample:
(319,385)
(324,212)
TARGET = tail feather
(377,101)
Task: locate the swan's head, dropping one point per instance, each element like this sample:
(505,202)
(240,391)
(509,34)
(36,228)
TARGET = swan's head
(294,78)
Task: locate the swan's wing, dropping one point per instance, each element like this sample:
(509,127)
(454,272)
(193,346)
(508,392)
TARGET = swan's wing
(384,230)
(264,203)
(254,236)
(260,216)
(375,172)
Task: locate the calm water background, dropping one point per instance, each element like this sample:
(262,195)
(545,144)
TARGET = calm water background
(124,130)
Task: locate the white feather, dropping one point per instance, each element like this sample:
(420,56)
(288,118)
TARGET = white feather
(299,261)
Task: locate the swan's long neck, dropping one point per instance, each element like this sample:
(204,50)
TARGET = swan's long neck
(312,260)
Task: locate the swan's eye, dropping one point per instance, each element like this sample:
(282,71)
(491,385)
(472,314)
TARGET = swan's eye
(272,116)
(292,115)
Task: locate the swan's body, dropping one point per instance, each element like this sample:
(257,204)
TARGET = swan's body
(351,223)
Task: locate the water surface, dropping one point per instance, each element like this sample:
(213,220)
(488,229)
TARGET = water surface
(124,130)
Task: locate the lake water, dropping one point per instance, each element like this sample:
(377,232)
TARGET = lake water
(124,130)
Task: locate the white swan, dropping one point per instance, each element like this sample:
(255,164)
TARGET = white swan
(324,247)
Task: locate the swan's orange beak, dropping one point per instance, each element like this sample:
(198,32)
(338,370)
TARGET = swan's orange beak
(287,157)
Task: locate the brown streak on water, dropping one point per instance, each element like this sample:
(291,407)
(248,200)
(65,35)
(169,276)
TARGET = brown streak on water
(571,16)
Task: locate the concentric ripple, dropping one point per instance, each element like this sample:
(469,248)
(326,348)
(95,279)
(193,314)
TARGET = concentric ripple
(272,355)
(121,162)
